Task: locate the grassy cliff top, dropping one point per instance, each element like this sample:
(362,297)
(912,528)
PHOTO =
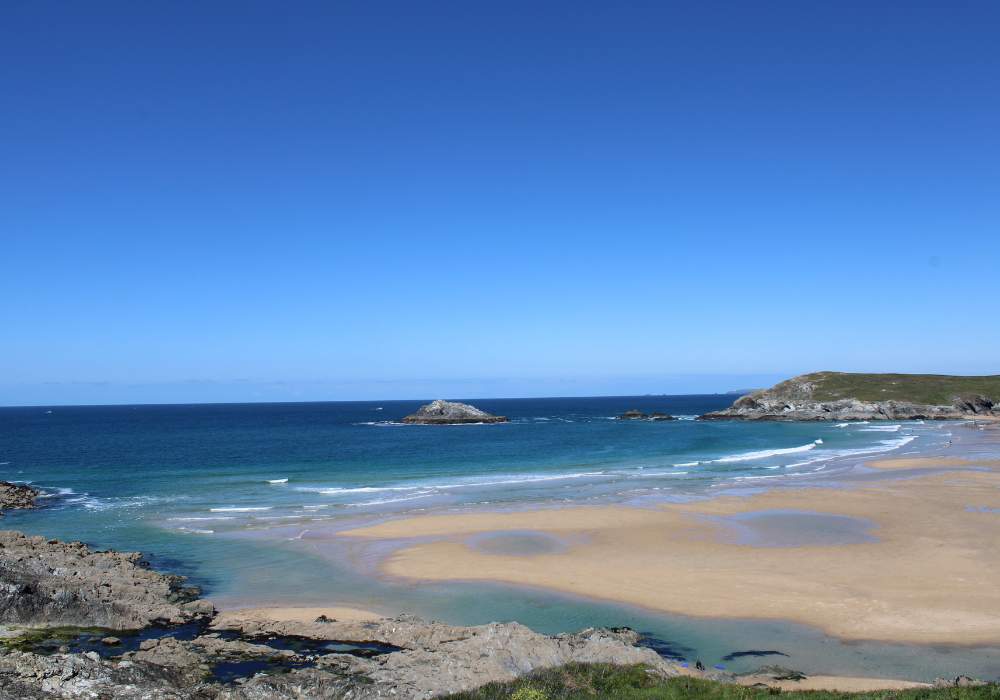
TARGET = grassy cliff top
(933,389)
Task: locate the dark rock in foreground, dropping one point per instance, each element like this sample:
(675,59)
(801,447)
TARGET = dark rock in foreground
(16,496)
(47,583)
(451,413)
(836,396)
(635,414)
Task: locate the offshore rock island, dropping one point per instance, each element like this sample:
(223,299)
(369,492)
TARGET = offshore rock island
(440,412)
(841,396)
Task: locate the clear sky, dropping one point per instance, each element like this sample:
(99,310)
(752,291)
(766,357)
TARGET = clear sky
(340,200)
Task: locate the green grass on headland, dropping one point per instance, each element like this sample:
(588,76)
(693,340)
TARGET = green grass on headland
(600,681)
(932,389)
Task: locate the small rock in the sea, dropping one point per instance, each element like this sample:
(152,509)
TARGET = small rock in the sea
(111,641)
(441,412)
(635,414)
(16,496)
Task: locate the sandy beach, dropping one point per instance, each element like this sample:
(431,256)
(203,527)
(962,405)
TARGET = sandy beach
(239,616)
(911,557)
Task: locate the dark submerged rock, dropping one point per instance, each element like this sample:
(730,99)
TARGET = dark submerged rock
(635,414)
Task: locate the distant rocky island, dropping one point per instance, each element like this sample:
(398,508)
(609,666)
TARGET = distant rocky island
(635,414)
(843,396)
(442,412)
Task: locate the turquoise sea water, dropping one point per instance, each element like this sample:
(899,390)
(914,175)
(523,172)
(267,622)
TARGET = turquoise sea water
(244,498)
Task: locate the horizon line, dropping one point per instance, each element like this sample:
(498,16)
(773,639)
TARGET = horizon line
(735,392)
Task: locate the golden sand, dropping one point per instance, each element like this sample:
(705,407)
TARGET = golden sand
(933,463)
(930,577)
(233,618)
(845,684)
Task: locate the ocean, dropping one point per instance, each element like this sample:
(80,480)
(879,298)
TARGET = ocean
(227,494)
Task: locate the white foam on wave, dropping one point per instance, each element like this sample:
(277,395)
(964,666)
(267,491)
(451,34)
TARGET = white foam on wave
(882,446)
(196,531)
(334,490)
(278,481)
(764,454)
(383,501)
(687,464)
(468,483)
(121,502)
(197,519)
(517,480)
(59,491)
(247,509)
(841,425)
(881,429)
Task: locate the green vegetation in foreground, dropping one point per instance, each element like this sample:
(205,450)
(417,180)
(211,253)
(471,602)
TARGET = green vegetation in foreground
(599,681)
(931,389)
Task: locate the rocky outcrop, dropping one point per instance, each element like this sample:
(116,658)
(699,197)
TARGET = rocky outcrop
(635,414)
(808,398)
(764,407)
(441,412)
(16,496)
(44,583)
(440,659)
(436,658)
(47,582)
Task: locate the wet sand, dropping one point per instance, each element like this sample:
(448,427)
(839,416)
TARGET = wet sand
(923,569)
(933,463)
(845,684)
(305,614)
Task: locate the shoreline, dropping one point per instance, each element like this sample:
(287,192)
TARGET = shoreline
(527,538)
(621,552)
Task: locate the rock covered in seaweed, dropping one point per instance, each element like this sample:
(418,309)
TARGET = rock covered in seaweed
(440,412)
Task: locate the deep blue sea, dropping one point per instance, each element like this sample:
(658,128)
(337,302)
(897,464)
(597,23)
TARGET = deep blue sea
(224,494)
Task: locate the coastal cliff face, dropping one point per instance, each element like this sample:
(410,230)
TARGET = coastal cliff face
(441,412)
(839,396)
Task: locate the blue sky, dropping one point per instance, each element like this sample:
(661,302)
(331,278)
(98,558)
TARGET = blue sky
(349,200)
